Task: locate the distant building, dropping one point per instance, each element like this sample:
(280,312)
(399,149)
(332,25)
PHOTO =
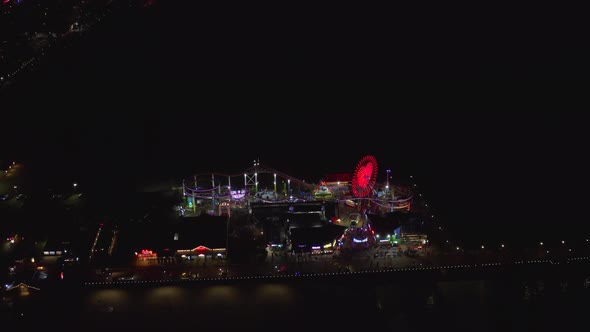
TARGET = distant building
(318,239)
(56,247)
(68,241)
(387,227)
(190,236)
(398,225)
(338,184)
(205,235)
(21,289)
(309,232)
(343,178)
(304,220)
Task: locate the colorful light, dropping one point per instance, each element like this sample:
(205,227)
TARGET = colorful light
(238,194)
(365,176)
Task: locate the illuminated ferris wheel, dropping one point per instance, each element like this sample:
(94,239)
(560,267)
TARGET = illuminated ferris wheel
(364,177)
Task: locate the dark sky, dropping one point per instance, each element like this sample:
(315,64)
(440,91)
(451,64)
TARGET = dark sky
(302,140)
(486,145)
(179,43)
(510,153)
(496,165)
(174,90)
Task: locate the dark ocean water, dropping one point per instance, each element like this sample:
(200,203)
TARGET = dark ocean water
(511,304)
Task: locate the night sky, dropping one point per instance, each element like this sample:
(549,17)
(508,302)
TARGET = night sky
(178,43)
(485,170)
(166,92)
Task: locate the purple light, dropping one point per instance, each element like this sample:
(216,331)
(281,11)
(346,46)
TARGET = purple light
(238,194)
(315,247)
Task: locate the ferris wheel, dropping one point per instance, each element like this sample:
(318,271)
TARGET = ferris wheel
(364,177)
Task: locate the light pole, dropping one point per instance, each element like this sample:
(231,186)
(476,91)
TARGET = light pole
(289,186)
(275,182)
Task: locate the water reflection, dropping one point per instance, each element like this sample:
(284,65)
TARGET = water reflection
(274,294)
(219,299)
(164,299)
(107,300)
(411,305)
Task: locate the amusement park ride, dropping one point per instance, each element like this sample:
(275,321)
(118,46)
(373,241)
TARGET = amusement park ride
(214,193)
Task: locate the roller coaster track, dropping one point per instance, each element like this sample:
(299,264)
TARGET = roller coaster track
(256,169)
(267,169)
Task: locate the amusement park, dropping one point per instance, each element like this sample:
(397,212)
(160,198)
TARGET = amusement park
(255,222)
(217,193)
(341,214)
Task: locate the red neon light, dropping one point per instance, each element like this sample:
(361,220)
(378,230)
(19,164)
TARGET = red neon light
(147,254)
(5,1)
(201,248)
(365,176)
